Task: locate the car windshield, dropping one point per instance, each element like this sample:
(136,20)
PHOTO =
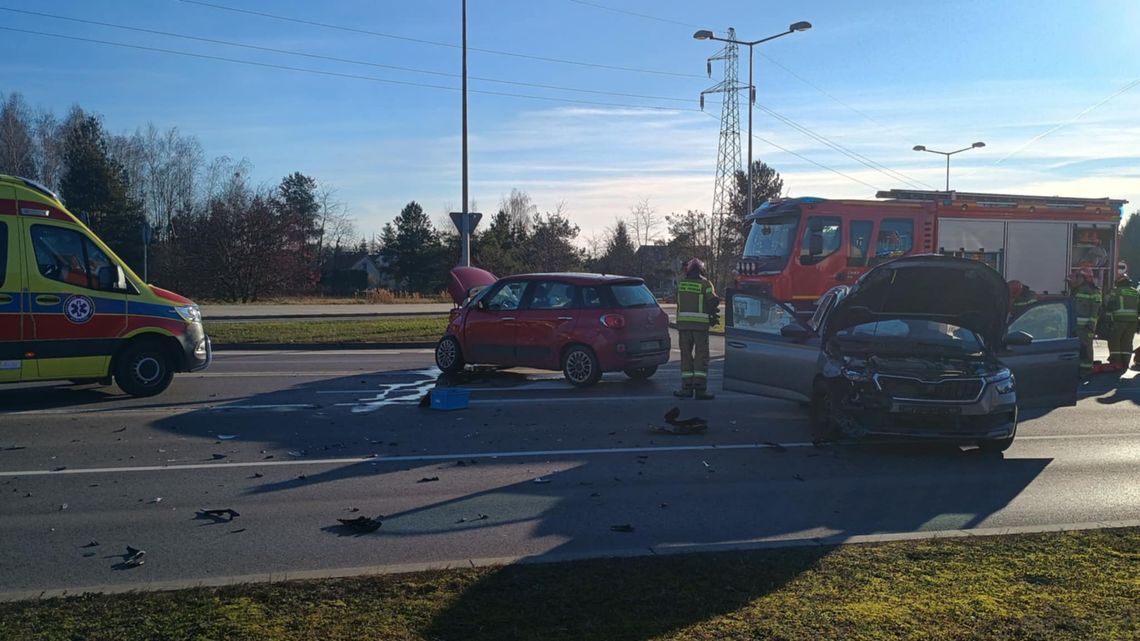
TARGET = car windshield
(912,333)
(772,238)
(633,295)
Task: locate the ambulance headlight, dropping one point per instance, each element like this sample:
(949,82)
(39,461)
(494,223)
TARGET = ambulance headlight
(189,313)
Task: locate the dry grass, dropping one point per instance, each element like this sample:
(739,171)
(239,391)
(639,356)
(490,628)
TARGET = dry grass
(386,329)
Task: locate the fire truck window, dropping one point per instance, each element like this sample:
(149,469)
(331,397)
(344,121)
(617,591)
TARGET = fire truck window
(828,228)
(896,238)
(59,255)
(859,241)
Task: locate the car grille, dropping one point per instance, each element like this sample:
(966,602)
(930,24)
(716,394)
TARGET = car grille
(902,388)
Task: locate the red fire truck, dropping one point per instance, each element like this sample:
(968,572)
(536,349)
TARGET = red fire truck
(798,248)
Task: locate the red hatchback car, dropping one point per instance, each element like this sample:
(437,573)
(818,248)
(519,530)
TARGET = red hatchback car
(582,324)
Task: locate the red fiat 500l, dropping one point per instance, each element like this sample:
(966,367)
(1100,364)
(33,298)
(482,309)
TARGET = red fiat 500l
(582,324)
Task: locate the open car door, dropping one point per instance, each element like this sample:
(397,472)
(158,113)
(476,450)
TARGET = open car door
(1047,370)
(768,351)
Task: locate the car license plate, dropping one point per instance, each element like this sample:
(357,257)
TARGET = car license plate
(649,346)
(929,410)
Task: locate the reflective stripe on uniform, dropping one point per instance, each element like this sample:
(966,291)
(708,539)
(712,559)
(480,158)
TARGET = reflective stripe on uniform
(692,317)
(701,374)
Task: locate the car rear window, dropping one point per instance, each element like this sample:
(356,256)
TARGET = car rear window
(633,295)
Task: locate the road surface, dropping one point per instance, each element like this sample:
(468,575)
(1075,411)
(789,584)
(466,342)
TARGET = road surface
(292,441)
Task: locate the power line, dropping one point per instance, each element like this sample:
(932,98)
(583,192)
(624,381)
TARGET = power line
(315,56)
(857,157)
(808,160)
(338,74)
(762,54)
(631,13)
(437,43)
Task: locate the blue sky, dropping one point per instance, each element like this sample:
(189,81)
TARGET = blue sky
(875,78)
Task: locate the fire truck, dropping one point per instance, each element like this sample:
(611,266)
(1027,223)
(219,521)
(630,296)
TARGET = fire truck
(798,248)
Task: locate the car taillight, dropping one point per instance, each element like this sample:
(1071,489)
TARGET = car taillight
(613,321)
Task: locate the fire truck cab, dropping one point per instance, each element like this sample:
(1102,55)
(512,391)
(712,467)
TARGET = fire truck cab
(799,248)
(71,310)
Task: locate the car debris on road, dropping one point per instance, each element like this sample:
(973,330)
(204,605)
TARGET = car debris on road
(362,524)
(677,425)
(225,514)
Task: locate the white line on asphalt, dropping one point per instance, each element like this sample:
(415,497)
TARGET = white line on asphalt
(323,352)
(428,458)
(360,372)
(280,406)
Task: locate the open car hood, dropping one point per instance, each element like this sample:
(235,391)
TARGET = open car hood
(462,280)
(943,289)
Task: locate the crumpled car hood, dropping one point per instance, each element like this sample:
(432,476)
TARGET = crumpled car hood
(944,289)
(461,280)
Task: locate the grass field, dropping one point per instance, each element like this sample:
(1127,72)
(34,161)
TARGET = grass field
(1061,586)
(388,329)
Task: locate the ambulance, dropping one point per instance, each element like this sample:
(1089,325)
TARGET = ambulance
(71,310)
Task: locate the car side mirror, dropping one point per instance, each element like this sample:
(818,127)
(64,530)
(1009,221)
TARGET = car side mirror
(1018,338)
(794,330)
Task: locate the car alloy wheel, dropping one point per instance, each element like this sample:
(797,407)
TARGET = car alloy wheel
(581,367)
(447,355)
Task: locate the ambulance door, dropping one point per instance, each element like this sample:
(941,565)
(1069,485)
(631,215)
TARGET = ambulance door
(11,329)
(76,300)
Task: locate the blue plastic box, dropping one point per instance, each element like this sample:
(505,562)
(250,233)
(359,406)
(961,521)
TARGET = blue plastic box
(450,398)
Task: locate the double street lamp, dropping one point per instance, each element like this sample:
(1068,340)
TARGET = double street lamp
(976,145)
(705,34)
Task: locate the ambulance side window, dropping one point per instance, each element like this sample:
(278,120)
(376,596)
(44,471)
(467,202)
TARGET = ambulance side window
(3,252)
(68,256)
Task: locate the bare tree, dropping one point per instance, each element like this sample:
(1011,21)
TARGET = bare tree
(49,149)
(643,223)
(17,142)
(519,207)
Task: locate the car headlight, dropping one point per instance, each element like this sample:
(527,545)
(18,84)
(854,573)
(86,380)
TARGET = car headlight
(189,313)
(1003,381)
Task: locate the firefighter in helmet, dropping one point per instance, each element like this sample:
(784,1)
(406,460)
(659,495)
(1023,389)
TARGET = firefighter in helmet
(1021,298)
(696,312)
(1123,307)
(1087,298)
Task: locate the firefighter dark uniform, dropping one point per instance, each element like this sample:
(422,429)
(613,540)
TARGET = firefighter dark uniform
(1123,307)
(696,306)
(1087,298)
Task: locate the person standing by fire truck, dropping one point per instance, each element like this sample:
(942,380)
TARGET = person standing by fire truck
(1087,299)
(696,312)
(1123,307)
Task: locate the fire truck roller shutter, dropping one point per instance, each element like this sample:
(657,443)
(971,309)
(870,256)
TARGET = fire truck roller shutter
(1035,254)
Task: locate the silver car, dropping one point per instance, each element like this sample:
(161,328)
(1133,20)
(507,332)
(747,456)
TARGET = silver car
(920,346)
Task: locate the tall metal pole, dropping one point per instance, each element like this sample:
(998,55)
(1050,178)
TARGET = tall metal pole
(947,173)
(751,101)
(465,228)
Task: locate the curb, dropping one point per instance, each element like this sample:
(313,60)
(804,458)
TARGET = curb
(233,347)
(657,550)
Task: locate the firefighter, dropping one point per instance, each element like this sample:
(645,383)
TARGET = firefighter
(1087,299)
(1123,305)
(696,312)
(1021,298)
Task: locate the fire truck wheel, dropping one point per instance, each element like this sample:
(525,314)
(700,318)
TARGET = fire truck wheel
(143,369)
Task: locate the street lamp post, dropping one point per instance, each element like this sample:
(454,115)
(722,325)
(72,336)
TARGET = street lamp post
(705,34)
(976,145)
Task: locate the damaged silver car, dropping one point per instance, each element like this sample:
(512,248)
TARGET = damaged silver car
(919,347)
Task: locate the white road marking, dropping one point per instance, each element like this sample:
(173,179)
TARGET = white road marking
(223,355)
(428,458)
(279,406)
(359,372)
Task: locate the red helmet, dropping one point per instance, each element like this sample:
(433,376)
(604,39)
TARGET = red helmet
(1015,288)
(696,264)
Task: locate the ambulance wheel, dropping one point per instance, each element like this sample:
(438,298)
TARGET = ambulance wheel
(143,369)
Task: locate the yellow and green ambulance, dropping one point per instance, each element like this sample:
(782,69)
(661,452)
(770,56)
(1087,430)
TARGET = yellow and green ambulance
(71,310)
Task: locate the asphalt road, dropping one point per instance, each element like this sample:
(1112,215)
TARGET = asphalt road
(533,468)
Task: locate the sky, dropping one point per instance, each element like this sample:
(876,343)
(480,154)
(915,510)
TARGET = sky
(1052,88)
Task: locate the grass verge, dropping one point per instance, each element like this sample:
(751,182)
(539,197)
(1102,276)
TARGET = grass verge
(1079,585)
(389,329)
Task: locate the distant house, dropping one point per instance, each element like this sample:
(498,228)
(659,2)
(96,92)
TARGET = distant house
(350,273)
